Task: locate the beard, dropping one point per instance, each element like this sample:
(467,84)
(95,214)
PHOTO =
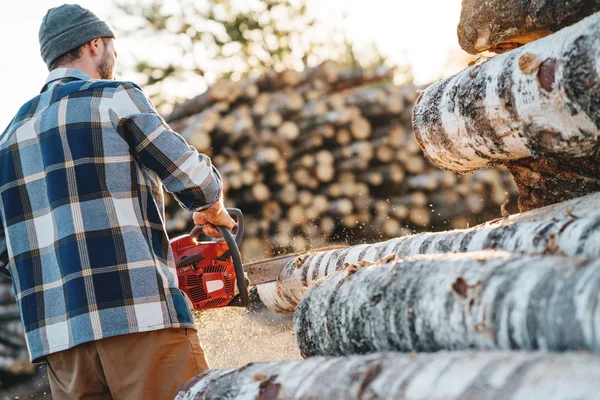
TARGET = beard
(104,69)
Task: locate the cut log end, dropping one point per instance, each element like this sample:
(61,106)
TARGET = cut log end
(548,180)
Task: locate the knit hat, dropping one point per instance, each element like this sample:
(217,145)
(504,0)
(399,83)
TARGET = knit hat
(67,27)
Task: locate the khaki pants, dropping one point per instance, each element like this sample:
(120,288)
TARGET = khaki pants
(145,365)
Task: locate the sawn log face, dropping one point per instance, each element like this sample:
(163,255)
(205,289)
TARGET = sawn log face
(456,375)
(548,180)
(484,300)
(501,25)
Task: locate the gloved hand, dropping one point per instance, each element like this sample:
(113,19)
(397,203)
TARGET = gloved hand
(216,215)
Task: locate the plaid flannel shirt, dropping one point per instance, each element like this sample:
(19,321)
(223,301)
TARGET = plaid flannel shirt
(82,169)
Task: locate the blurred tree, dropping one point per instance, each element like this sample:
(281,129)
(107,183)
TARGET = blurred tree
(231,39)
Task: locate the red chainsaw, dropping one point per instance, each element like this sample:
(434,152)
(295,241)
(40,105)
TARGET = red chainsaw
(211,273)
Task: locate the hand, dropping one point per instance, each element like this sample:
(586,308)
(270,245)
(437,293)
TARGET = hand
(216,215)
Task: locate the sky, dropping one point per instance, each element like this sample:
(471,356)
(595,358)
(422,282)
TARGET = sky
(421,32)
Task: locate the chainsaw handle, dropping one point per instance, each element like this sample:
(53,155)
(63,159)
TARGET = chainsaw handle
(238,217)
(237,263)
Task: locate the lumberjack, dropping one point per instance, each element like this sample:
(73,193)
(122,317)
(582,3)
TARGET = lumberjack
(82,236)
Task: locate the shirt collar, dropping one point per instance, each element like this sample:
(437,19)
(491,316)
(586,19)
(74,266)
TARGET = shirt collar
(62,73)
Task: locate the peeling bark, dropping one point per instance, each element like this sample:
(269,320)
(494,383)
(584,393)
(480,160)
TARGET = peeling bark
(571,228)
(485,300)
(456,375)
(502,25)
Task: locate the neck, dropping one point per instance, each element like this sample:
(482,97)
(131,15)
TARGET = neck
(83,66)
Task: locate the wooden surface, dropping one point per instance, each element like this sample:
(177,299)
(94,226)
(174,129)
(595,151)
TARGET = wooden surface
(502,25)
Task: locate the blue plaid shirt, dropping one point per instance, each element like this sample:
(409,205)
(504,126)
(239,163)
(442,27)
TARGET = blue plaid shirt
(82,169)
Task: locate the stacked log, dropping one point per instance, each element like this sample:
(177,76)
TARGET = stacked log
(444,375)
(14,358)
(500,26)
(485,300)
(327,155)
(534,109)
(570,229)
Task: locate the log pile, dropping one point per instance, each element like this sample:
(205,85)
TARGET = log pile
(569,229)
(528,281)
(14,358)
(534,109)
(444,375)
(327,155)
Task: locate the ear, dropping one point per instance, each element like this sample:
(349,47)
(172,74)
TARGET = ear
(95,46)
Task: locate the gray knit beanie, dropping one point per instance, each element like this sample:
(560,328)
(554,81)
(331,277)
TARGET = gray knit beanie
(67,27)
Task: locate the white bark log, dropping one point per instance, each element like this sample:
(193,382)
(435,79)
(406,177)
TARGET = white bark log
(457,375)
(570,228)
(540,99)
(484,300)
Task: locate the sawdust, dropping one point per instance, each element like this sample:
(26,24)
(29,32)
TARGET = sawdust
(233,337)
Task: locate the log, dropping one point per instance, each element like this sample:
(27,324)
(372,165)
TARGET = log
(14,357)
(561,233)
(502,25)
(278,80)
(354,77)
(538,180)
(286,103)
(387,376)
(536,101)
(225,91)
(335,117)
(483,300)
(325,72)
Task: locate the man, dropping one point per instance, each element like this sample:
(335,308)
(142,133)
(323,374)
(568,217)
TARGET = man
(82,167)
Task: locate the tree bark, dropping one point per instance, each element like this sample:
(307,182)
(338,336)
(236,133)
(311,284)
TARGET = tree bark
(485,300)
(537,100)
(502,25)
(534,102)
(568,230)
(382,376)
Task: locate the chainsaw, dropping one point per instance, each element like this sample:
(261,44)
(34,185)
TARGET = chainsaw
(211,273)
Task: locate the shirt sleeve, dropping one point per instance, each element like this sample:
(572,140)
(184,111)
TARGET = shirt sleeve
(186,173)
(3,254)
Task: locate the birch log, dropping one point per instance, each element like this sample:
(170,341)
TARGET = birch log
(538,100)
(485,300)
(501,25)
(571,229)
(456,375)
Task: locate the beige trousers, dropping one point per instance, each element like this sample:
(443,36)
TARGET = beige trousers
(145,365)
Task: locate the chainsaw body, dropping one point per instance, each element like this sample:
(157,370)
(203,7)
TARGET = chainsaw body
(210,272)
